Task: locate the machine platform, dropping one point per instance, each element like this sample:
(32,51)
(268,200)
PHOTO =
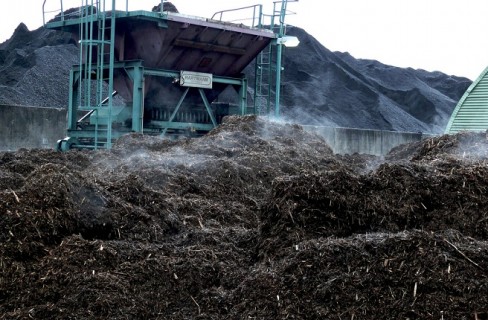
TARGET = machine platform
(168,68)
(173,41)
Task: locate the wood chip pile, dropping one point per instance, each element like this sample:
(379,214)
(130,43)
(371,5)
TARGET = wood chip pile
(256,220)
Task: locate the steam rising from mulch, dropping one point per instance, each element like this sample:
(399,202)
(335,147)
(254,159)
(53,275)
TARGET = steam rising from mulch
(255,220)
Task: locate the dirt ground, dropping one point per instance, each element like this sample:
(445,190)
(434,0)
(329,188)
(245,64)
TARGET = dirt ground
(256,220)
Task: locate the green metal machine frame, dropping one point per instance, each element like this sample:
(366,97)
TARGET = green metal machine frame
(93,119)
(97,130)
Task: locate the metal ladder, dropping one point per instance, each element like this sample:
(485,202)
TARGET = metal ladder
(263,80)
(97,58)
(268,64)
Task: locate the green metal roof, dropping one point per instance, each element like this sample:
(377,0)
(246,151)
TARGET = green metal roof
(471,112)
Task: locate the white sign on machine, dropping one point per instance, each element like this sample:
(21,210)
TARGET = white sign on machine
(196,79)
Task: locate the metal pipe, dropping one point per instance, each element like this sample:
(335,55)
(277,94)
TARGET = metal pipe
(91,111)
(278,80)
(111,76)
(44,12)
(90,30)
(260,15)
(230,10)
(279,49)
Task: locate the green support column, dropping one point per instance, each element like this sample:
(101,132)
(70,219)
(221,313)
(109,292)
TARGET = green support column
(138,99)
(207,106)
(73,99)
(111,76)
(279,49)
(173,115)
(243,96)
(279,52)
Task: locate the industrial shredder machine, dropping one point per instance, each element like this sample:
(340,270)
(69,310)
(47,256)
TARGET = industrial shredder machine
(159,72)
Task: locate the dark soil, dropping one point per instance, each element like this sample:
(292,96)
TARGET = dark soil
(256,220)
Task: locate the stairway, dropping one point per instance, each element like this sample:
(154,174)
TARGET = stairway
(97,34)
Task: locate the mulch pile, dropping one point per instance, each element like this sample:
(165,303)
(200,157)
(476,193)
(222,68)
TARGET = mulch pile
(256,220)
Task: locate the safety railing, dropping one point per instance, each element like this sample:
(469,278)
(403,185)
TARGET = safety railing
(269,62)
(55,9)
(56,12)
(250,16)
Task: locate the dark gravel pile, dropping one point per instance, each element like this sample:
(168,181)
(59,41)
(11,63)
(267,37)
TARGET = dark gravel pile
(319,87)
(322,87)
(34,67)
(257,220)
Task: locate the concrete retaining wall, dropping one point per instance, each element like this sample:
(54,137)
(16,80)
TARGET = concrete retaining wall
(30,127)
(374,142)
(34,127)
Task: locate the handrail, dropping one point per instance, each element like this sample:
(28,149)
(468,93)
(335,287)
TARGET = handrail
(62,15)
(161,9)
(44,11)
(254,7)
(257,12)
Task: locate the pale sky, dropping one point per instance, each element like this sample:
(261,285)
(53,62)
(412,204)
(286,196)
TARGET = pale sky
(450,36)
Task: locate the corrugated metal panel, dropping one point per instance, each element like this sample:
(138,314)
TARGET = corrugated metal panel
(471,112)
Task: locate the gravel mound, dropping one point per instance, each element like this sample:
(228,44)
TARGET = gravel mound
(319,87)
